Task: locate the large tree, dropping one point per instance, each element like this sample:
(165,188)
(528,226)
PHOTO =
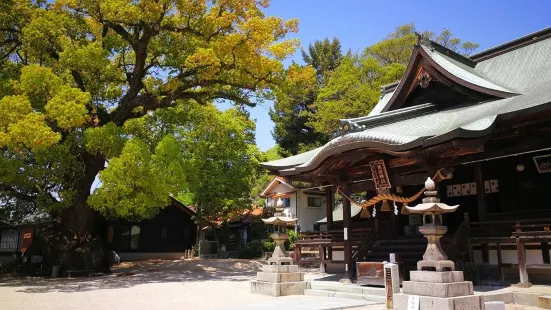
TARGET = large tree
(89,82)
(353,88)
(263,178)
(294,101)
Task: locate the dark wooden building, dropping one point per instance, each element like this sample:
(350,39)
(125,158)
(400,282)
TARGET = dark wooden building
(171,231)
(480,126)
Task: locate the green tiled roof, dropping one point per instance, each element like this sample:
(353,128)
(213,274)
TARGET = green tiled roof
(525,71)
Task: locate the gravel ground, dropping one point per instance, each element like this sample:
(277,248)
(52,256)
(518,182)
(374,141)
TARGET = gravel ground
(181,284)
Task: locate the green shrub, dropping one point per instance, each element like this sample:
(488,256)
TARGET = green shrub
(290,244)
(268,245)
(252,249)
(195,250)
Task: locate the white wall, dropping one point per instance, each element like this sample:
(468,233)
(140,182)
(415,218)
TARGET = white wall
(307,216)
(509,257)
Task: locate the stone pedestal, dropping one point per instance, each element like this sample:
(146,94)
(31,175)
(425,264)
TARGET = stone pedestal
(279,280)
(439,291)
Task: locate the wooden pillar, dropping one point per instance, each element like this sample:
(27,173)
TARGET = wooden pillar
(480,192)
(521,256)
(348,263)
(545,252)
(297,255)
(322,258)
(469,249)
(499,263)
(329,204)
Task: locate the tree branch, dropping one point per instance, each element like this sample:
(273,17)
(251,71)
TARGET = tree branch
(14,193)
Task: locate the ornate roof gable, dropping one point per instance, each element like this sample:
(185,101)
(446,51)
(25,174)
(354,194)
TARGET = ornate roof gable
(435,73)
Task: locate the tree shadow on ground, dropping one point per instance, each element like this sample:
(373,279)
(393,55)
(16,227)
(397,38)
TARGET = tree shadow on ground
(129,275)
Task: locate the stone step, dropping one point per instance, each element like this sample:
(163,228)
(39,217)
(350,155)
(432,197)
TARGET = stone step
(347,288)
(324,293)
(544,301)
(526,299)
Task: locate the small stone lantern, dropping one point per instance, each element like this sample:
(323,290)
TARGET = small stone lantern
(434,258)
(280,277)
(280,223)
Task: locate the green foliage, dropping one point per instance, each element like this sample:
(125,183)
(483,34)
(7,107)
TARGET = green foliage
(294,99)
(222,161)
(195,250)
(268,245)
(250,250)
(131,84)
(263,178)
(290,243)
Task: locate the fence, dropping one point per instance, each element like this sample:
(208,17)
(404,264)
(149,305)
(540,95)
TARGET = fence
(9,245)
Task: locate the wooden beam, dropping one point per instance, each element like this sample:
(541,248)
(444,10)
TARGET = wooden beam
(360,187)
(402,161)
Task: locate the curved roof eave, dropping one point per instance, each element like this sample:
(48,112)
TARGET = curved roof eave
(344,145)
(289,162)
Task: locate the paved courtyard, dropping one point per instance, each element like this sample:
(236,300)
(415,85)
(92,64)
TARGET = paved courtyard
(191,284)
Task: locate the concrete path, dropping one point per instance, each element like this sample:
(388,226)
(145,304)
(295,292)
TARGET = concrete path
(303,303)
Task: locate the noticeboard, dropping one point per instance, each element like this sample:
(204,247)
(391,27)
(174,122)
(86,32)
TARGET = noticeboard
(380,175)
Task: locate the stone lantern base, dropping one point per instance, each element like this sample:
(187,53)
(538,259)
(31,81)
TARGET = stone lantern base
(280,277)
(445,290)
(279,280)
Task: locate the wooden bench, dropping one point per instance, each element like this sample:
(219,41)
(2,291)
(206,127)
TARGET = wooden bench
(89,272)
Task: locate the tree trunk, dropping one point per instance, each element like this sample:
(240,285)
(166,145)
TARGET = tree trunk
(78,242)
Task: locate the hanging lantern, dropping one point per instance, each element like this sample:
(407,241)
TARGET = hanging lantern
(386,206)
(405,210)
(365,213)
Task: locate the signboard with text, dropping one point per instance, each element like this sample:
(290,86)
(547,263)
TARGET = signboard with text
(380,176)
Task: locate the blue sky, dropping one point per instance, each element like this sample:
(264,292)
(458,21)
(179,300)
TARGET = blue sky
(359,24)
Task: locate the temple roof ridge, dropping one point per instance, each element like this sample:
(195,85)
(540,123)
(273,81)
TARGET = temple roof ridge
(508,46)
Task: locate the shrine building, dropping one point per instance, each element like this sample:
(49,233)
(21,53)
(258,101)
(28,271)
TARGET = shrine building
(480,126)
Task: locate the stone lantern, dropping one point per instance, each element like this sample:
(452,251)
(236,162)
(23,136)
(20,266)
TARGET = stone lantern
(280,277)
(433,229)
(435,284)
(280,223)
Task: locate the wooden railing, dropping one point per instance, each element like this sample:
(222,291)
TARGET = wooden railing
(518,232)
(361,239)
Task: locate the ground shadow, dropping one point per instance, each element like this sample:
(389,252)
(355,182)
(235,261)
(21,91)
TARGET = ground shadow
(143,273)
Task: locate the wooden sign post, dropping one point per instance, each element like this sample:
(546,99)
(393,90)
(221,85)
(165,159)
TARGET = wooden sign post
(392,283)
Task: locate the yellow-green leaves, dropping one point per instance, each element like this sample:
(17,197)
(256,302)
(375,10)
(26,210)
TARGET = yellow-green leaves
(19,126)
(137,183)
(206,59)
(39,84)
(107,140)
(68,107)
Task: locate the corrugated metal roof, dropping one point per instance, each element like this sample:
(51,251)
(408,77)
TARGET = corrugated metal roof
(338,214)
